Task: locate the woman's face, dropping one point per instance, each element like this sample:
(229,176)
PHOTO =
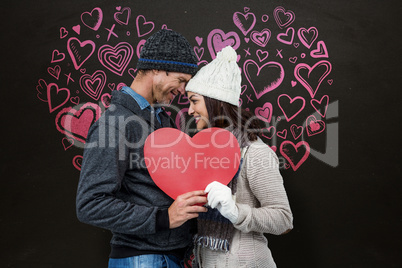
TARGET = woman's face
(198,110)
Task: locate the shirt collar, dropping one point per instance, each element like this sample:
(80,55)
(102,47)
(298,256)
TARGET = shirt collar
(141,101)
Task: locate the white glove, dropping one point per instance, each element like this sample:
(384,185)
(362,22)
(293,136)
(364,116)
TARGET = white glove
(220,197)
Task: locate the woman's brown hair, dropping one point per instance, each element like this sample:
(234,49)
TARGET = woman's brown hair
(225,115)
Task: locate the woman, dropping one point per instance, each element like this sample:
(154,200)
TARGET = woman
(231,233)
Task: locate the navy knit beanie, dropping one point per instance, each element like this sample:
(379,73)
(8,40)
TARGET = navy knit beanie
(169,51)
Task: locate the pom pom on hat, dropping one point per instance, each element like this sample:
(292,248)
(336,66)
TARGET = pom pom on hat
(220,79)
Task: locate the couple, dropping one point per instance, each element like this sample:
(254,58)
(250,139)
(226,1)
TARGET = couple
(149,228)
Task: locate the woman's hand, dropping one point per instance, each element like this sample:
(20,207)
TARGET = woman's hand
(220,197)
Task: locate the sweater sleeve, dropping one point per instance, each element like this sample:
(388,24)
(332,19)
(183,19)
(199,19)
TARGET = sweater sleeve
(272,213)
(102,172)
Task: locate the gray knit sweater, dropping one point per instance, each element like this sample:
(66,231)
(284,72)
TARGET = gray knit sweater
(263,208)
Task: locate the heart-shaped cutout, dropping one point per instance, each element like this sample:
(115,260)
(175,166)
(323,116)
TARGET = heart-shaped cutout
(179,164)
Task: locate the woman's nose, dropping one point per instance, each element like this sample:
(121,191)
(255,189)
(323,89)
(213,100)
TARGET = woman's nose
(190,110)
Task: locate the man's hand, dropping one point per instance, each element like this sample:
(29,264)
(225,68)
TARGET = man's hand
(185,208)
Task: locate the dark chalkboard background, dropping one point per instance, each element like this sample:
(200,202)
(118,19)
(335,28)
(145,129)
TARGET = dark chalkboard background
(347,214)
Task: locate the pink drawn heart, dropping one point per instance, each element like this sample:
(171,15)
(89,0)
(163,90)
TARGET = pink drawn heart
(323,68)
(245,22)
(67,143)
(293,83)
(120,86)
(77,29)
(63,32)
(320,52)
(283,18)
(75,123)
(293,59)
(273,148)
(217,40)
(307,37)
(296,45)
(268,77)
(122,17)
(93,19)
(169,143)
(296,131)
(77,161)
(55,71)
(297,154)
(262,55)
(57,56)
(116,59)
(144,27)
(139,47)
(199,52)
(270,132)
(183,100)
(111,86)
(106,98)
(53,93)
(321,105)
(330,81)
(199,40)
(131,72)
(314,126)
(93,84)
(83,70)
(282,134)
(261,38)
(75,100)
(41,88)
(265,112)
(293,106)
(79,51)
(286,38)
(164,26)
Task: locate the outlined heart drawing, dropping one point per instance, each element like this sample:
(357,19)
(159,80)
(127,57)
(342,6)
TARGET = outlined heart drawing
(291,107)
(261,38)
(322,67)
(75,123)
(245,22)
(93,84)
(122,17)
(178,163)
(295,154)
(271,70)
(116,59)
(144,27)
(218,39)
(79,51)
(308,37)
(93,19)
(265,112)
(53,96)
(283,18)
(287,37)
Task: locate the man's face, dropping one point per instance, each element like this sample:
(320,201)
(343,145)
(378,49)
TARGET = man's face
(167,85)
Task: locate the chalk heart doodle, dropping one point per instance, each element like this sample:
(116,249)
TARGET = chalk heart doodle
(77,161)
(218,39)
(67,143)
(282,134)
(54,71)
(287,37)
(116,59)
(93,84)
(245,22)
(63,32)
(290,107)
(271,74)
(178,163)
(75,123)
(79,51)
(57,56)
(296,131)
(265,112)
(93,19)
(321,105)
(144,27)
(262,55)
(320,52)
(312,77)
(199,52)
(314,126)
(261,38)
(56,97)
(308,37)
(41,88)
(283,18)
(268,132)
(297,154)
(122,17)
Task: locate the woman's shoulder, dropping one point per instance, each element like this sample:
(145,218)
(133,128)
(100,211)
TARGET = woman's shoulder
(258,147)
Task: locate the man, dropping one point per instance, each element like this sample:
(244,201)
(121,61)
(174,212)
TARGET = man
(115,190)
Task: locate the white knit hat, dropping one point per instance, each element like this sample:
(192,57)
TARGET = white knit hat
(220,79)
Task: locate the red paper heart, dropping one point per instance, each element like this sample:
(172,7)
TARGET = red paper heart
(179,164)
